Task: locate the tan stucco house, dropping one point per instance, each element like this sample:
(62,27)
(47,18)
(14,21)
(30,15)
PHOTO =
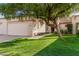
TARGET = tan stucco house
(33,27)
(23,28)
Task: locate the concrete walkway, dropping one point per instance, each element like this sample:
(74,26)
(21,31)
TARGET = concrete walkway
(39,36)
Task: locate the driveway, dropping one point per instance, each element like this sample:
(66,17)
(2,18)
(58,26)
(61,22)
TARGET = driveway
(4,38)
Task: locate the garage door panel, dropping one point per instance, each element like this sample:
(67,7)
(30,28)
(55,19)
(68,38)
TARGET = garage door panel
(19,29)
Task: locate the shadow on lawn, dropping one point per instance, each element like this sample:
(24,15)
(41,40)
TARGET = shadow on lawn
(61,48)
(69,47)
(11,43)
(18,40)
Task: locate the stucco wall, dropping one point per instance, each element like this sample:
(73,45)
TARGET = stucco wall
(39,28)
(3,25)
(16,28)
(77,19)
(26,28)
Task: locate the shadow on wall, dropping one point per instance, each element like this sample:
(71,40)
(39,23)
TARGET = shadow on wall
(69,47)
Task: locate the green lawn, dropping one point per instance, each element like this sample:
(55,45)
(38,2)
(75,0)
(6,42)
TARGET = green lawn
(49,45)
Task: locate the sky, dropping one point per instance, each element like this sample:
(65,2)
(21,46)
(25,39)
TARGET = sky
(1,16)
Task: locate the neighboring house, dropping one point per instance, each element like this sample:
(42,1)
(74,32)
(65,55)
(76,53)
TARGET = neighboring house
(73,20)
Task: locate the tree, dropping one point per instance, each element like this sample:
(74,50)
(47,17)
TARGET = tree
(48,12)
(51,12)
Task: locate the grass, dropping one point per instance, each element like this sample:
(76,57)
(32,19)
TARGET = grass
(49,45)
(25,46)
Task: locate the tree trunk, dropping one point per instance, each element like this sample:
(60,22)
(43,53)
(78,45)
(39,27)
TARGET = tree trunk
(58,29)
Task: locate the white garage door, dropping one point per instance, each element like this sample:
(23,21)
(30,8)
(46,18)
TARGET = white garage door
(20,28)
(16,28)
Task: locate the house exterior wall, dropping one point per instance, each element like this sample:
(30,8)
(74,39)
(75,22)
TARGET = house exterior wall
(40,27)
(63,27)
(69,20)
(26,28)
(16,28)
(63,22)
(3,25)
(30,28)
(77,19)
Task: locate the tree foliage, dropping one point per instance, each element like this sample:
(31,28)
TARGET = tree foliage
(48,12)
